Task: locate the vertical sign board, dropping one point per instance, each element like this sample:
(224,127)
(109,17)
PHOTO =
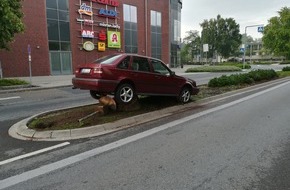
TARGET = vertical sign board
(205,47)
(114,39)
(29,52)
(261,29)
(29,62)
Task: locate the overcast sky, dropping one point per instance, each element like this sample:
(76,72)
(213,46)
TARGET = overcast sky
(244,12)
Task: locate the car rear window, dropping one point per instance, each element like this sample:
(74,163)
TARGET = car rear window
(107,59)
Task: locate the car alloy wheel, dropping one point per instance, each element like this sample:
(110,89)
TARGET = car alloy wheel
(185,95)
(125,94)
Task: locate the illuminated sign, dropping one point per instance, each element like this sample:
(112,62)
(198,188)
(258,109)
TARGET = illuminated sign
(113,3)
(108,25)
(88,34)
(102,35)
(85,21)
(89,46)
(101,46)
(85,9)
(114,39)
(107,13)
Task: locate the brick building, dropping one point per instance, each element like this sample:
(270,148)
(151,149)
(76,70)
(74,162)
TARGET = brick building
(60,34)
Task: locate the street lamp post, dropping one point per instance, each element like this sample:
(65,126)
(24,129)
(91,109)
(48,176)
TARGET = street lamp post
(244,58)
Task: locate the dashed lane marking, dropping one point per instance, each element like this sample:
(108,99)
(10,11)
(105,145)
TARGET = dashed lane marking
(10,98)
(33,153)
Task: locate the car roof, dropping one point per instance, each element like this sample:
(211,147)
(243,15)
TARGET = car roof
(134,54)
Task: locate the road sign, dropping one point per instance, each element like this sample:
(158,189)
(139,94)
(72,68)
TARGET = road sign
(205,47)
(242,49)
(261,29)
(29,49)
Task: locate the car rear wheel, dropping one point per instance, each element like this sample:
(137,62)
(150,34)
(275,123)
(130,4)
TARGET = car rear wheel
(125,94)
(184,95)
(95,94)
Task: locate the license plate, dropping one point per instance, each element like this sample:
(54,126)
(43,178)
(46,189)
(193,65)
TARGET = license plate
(85,71)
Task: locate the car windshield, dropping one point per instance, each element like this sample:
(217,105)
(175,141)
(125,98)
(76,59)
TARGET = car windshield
(107,59)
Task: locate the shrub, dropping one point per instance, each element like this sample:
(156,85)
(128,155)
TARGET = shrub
(259,75)
(12,82)
(246,78)
(213,69)
(286,68)
(283,73)
(240,65)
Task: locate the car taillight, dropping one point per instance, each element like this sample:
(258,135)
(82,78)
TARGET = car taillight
(97,71)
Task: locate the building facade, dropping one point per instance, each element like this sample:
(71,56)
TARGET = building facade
(61,34)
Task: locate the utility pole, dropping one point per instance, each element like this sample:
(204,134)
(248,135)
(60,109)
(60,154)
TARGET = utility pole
(244,58)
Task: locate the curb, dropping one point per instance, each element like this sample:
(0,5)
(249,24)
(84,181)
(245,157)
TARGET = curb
(34,88)
(20,130)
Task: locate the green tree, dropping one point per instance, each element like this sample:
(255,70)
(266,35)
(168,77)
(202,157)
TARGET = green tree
(10,21)
(222,35)
(276,36)
(191,45)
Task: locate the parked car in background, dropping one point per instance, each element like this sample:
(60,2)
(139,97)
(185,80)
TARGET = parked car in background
(128,75)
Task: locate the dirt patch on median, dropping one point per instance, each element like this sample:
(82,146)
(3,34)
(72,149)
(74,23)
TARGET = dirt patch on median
(69,118)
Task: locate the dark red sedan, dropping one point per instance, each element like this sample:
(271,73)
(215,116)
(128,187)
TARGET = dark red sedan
(127,75)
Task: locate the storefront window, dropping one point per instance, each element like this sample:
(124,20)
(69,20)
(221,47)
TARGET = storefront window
(130,22)
(156,34)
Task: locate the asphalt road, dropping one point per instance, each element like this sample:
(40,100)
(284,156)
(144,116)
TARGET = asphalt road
(241,143)
(20,105)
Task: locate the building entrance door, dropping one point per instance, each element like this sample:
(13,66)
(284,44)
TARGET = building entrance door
(60,63)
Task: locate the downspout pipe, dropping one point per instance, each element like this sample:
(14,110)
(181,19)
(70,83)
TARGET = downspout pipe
(146,27)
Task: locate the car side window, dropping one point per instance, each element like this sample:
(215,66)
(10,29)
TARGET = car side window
(159,67)
(124,64)
(140,64)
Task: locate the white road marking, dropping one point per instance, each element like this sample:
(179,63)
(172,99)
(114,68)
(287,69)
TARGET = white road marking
(8,182)
(33,153)
(10,98)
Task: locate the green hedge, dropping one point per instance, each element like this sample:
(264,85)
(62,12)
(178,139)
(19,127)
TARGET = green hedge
(213,69)
(286,69)
(240,65)
(12,82)
(246,78)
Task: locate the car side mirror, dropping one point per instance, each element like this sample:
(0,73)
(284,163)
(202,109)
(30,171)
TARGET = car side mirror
(172,73)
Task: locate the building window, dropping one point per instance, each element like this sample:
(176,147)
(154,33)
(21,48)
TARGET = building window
(130,29)
(156,34)
(57,12)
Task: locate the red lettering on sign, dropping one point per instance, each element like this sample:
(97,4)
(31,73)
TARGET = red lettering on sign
(113,3)
(102,35)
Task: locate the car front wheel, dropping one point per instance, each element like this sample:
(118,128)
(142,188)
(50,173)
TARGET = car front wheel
(125,94)
(184,95)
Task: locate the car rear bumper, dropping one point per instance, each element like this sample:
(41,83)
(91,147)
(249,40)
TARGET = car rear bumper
(99,85)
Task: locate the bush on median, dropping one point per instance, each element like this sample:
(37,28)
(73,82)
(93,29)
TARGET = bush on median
(286,68)
(240,65)
(240,79)
(12,82)
(213,69)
